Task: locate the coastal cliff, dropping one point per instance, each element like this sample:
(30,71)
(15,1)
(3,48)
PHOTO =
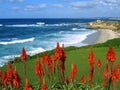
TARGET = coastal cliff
(99,24)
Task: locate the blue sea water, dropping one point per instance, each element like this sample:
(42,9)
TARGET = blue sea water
(38,35)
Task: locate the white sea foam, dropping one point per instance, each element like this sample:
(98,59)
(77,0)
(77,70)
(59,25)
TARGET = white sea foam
(78,29)
(74,39)
(61,32)
(64,24)
(40,23)
(5,59)
(24,25)
(34,51)
(18,41)
(1,25)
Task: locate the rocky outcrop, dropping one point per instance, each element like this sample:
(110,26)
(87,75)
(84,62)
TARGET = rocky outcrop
(99,24)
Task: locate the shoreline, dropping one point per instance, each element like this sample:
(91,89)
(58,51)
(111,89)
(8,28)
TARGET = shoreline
(105,35)
(91,38)
(101,36)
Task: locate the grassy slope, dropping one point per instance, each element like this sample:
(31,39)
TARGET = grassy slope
(74,55)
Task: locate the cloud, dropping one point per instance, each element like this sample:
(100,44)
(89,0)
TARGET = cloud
(110,3)
(83,5)
(95,3)
(15,0)
(57,5)
(42,6)
(35,7)
(15,8)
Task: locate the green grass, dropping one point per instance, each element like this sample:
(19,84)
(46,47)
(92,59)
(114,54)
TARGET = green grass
(76,55)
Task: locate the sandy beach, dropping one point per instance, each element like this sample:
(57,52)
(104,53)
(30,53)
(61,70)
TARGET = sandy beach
(105,34)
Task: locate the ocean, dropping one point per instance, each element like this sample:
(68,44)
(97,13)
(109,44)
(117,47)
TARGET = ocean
(39,35)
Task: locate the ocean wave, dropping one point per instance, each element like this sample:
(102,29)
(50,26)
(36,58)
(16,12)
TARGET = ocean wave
(64,24)
(1,25)
(74,39)
(5,59)
(18,41)
(74,29)
(24,25)
(61,32)
(40,23)
(34,51)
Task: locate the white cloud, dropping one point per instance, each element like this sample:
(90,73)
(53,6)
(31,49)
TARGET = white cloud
(110,3)
(42,6)
(96,3)
(57,5)
(82,5)
(15,0)
(35,7)
(15,8)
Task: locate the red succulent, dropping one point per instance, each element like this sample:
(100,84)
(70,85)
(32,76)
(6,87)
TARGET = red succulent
(57,52)
(44,59)
(5,79)
(50,63)
(99,64)
(27,86)
(38,68)
(23,55)
(91,57)
(115,74)
(73,72)
(44,87)
(67,80)
(82,80)
(16,79)
(89,78)
(106,75)
(111,55)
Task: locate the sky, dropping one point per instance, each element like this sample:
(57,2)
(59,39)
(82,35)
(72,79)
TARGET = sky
(59,8)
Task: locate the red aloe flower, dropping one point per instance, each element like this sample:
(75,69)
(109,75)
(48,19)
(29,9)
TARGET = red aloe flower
(111,55)
(9,74)
(23,55)
(114,77)
(62,54)
(57,52)
(89,78)
(99,64)
(73,72)
(44,87)
(27,86)
(38,68)
(115,74)
(82,80)
(4,78)
(106,75)
(16,79)
(50,63)
(44,59)
(67,80)
(91,57)
(62,59)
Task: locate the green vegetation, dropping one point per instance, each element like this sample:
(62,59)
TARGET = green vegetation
(76,55)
